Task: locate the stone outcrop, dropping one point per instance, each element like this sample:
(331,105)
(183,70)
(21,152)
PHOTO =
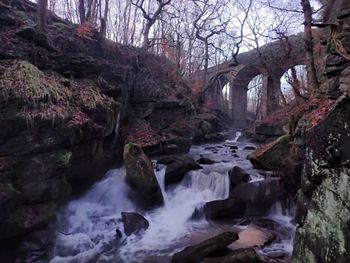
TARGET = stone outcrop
(49,124)
(323,210)
(208,127)
(141,177)
(68,103)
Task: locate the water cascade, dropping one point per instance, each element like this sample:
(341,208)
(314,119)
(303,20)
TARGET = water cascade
(86,230)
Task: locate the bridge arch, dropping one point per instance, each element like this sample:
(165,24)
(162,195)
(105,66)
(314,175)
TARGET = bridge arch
(272,61)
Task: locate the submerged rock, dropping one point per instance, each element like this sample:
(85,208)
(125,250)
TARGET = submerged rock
(177,168)
(196,253)
(133,223)
(141,177)
(247,199)
(204,160)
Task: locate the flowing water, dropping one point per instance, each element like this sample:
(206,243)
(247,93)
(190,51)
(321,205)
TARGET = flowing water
(87,226)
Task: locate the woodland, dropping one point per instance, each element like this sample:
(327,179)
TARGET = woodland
(182,131)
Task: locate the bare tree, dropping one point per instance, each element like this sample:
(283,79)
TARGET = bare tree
(308,40)
(150,18)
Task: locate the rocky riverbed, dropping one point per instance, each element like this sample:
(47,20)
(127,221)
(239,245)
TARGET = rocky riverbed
(94,228)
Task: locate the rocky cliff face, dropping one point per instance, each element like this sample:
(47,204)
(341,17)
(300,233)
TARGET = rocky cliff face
(323,211)
(68,102)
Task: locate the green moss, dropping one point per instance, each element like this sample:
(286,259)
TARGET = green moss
(63,158)
(61,28)
(272,156)
(22,81)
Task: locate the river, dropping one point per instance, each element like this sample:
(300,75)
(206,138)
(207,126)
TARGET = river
(86,229)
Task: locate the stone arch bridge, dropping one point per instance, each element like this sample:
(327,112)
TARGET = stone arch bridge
(271,61)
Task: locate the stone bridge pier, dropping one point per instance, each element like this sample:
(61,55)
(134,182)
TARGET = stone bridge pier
(270,95)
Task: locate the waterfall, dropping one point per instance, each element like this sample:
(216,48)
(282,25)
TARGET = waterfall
(172,222)
(86,230)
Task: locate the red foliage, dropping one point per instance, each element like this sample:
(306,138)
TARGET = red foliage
(87,30)
(79,118)
(144,134)
(314,110)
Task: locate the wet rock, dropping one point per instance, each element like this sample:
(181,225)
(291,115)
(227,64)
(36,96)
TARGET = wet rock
(234,147)
(204,160)
(133,223)
(245,255)
(196,253)
(140,176)
(37,246)
(26,219)
(250,148)
(247,199)
(237,176)
(177,167)
(67,246)
(253,237)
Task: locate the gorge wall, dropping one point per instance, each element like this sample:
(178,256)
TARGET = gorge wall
(323,211)
(69,100)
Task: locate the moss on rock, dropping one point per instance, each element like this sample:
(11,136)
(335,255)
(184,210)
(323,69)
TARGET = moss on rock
(273,155)
(140,175)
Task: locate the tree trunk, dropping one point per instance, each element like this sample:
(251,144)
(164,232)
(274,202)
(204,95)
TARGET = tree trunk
(146,42)
(81,8)
(308,40)
(42,15)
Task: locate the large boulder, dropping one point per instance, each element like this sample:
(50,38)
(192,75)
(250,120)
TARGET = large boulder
(196,253)
(273,155)
(208,127)
(141,177)
(282,156)
(177,167)
(237,176)
(247,199)
(133,223)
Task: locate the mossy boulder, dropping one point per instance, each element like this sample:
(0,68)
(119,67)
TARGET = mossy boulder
(141,177)
(271,156)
